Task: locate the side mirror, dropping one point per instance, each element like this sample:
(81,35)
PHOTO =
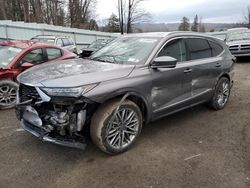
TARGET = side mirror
(26,65)
(164,62)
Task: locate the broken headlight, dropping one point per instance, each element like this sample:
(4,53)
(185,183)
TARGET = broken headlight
(68,92)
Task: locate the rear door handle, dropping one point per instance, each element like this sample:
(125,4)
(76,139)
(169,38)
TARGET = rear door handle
(218,65)
(188,70)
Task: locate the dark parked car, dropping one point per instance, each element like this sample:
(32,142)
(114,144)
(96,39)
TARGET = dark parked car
(238,41)
(17,56)
(93,47)
(135,79)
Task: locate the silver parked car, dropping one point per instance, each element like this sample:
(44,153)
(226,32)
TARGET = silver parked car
(130,82)
(64,42)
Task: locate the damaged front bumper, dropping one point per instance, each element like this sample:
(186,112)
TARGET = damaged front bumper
(43,135)
(34,121)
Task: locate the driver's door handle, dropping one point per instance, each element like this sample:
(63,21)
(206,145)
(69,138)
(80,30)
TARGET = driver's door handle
(188,70)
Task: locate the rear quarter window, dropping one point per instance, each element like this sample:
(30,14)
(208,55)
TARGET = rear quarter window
(53,53)
(198,48)
(217,49)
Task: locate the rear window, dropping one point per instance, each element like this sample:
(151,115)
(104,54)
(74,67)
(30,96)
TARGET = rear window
(66,42)
(198,48)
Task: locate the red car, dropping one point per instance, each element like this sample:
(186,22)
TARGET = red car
(17,56)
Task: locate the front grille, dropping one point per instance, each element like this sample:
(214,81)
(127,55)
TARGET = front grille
(27,93)
(245,47)
(234,47)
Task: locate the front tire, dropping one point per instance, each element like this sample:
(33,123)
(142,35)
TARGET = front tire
(117,136)
(8,91)
(221,94)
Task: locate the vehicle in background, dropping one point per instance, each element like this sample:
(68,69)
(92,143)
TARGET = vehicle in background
(17,56)
(133,80)
(238,41)
(61,41)
(93,47)
(220,35)
(237,29)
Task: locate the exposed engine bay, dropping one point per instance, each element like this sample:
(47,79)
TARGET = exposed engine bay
(61,122)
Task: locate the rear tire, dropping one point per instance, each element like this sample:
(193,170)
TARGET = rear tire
(8,90)
(119,136)
(221,94)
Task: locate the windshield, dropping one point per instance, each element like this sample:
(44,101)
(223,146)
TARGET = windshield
(126,50)
(239,35)
(7,54)
(44,40)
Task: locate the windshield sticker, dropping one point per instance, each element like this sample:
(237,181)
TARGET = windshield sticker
(148,40)
(133,60)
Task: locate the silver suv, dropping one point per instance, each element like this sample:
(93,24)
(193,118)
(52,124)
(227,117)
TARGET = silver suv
(62,41)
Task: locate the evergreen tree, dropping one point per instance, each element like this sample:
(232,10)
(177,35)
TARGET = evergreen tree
(184,25)
(113,24)
(195,24)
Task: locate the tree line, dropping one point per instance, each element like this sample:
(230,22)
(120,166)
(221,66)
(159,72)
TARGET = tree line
(197,25)
(81,14)
(73,13)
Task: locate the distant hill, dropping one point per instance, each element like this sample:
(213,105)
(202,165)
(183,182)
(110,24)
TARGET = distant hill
(157,27)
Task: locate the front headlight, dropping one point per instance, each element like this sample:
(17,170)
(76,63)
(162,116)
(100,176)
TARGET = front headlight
(69,92)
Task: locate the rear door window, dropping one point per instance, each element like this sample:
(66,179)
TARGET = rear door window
(53,53)
(198,48)
(175,49)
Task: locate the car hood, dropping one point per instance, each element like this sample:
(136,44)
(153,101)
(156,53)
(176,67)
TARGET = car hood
(238,42)
(73,73)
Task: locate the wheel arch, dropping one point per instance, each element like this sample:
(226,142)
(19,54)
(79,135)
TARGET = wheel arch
(226,75)
(135,97)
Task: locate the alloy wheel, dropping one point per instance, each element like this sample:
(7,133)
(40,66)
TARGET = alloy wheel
(7,95)
(223,93)
(123,130)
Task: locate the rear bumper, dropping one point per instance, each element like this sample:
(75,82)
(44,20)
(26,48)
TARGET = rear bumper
(33,126)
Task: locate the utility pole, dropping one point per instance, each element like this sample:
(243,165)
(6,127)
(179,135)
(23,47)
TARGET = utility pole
(121,15)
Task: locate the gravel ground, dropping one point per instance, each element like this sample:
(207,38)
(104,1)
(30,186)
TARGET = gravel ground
(193,148)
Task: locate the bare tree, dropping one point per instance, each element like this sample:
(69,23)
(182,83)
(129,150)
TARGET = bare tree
(247,16)
(135,14)
(130,12)
(80,12)
(202,28)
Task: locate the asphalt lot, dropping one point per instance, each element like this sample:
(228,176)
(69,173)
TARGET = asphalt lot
(194,148)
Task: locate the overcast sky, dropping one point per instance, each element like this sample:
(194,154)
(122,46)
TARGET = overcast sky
(215,11)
